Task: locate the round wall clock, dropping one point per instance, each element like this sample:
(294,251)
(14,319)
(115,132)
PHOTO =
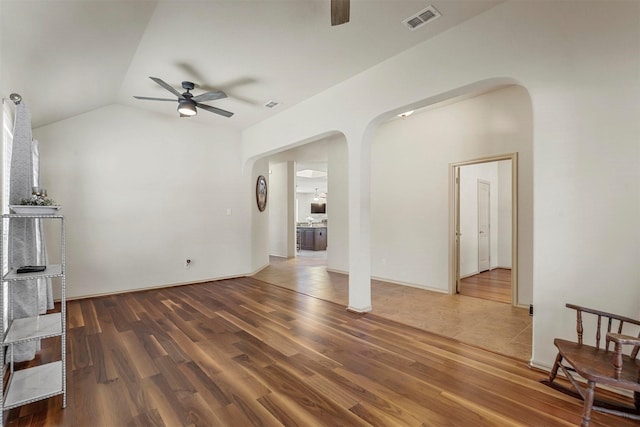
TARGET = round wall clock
(261,193)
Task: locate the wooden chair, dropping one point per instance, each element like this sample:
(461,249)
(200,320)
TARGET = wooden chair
(614,368)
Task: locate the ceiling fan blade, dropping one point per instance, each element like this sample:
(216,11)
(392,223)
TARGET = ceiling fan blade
(166,86)
(339,12)
(215,110)
(154,99)
(210,96)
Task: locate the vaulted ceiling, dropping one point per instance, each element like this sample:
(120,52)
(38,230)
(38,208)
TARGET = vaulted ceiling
(69,57)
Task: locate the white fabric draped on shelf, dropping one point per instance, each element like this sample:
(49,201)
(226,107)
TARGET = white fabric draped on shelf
(28,297)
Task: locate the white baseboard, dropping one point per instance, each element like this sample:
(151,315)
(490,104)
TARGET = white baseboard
(359,310)
(150,288)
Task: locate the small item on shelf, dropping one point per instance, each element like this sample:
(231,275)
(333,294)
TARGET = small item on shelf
(39,191)
(31,269)
(38,198)
(37,204)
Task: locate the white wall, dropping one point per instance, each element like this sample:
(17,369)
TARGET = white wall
(338,205)
(581,68)
(142,193)
(259,220)
(410,185)
(304,207)
(505,211)
(278,208)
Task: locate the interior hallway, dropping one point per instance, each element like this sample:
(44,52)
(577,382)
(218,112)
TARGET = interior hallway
(487,324)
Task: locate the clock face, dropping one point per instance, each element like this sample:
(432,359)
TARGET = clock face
(261,193)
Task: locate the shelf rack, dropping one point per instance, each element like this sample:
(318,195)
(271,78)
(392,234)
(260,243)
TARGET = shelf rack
(28,385)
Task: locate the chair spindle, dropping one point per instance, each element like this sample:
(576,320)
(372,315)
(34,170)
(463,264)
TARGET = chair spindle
(579,328)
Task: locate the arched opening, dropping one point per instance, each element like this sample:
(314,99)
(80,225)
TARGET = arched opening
(290,197)
(410,160)
(410,228)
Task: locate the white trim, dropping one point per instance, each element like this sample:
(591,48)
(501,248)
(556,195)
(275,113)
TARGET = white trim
(359,310)
(151,288)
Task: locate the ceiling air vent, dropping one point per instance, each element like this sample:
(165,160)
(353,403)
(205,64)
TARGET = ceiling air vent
(271,104)
(419,19)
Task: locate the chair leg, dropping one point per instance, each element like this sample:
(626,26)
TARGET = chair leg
(554,371)
(588,404)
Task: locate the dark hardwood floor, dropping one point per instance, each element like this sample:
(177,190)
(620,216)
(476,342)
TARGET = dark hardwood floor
(242,352)
(492,285)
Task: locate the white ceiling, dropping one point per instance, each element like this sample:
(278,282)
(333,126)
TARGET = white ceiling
(70,57)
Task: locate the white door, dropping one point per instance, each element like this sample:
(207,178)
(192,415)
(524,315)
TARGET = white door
(484,242)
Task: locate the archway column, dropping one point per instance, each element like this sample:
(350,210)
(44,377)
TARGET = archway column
(359,222)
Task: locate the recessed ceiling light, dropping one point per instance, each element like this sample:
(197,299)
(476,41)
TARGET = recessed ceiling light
(405,114)
(311,173)
(271,104)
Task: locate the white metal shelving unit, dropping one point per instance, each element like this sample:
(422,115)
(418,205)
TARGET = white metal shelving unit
(42,381)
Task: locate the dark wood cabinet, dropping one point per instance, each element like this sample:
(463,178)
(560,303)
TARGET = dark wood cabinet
(320,239)
(306,238)
(313,238)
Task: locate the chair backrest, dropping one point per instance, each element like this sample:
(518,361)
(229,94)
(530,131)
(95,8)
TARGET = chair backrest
(612,321)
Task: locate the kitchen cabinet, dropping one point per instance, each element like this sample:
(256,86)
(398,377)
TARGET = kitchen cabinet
(313,238)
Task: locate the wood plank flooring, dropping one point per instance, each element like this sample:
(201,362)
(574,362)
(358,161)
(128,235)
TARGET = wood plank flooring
(494,326)
(492,285)
(242,352)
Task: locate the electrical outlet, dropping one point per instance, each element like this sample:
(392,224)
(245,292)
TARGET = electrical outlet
(187,263)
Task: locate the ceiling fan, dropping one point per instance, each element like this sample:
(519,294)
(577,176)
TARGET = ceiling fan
(339,12)
(187,103)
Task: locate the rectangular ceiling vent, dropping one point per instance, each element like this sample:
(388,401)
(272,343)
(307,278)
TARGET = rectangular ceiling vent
(419,19)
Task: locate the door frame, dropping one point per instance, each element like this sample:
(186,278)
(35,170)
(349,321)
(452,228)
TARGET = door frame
(454,221)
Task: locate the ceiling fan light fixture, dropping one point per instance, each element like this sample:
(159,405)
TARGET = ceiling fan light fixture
(187,107)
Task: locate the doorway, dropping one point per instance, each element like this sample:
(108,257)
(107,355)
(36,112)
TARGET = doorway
(298,200)
(484,261)
(311,196)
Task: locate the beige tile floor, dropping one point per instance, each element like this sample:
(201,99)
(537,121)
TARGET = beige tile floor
(491,325)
